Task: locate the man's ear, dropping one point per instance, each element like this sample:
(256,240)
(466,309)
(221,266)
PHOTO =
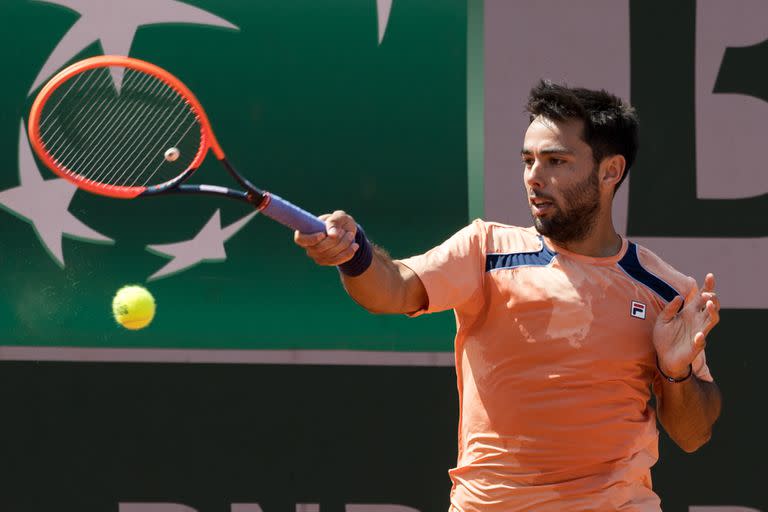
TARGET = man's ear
(612,168)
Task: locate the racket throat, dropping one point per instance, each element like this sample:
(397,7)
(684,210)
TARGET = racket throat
(259,201)
(255,195)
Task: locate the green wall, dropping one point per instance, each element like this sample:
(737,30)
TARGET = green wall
(307,104)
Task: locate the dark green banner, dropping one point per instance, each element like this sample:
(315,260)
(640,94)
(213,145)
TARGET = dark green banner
(337,106)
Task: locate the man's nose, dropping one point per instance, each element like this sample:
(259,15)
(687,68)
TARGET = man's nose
(533,176)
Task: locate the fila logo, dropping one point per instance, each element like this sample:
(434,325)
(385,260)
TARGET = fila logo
(637,310)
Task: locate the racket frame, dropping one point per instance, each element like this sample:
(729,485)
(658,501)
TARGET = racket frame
(252,194)
(269,204)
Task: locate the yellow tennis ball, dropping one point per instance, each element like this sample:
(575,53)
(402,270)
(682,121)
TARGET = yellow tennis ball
(133,307)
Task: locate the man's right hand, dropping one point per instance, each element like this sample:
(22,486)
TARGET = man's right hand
(334,246)
(386,286)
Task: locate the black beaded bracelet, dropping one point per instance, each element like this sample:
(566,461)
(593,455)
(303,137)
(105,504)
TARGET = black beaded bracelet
(673,379)
(363,256)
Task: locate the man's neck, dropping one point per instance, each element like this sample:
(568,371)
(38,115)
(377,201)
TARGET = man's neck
(601,242)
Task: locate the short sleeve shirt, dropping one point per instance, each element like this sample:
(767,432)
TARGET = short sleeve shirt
(555,363)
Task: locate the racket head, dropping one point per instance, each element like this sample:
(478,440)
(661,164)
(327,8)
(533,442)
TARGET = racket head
(120,140)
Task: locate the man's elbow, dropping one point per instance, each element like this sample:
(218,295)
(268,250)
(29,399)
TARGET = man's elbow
(691,444)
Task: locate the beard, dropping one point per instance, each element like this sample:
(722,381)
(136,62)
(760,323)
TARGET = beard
(578,215)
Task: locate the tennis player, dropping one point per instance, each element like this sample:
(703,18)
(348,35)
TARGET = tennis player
(564,329)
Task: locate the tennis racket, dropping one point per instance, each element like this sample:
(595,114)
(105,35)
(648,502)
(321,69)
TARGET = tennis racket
(144,138)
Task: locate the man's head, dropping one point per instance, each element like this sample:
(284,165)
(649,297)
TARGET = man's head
(577,151)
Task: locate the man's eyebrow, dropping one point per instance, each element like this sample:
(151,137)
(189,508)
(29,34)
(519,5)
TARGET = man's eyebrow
(549,151)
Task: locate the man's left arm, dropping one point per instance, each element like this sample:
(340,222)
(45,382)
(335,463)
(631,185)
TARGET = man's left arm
(687,410)
(687,406)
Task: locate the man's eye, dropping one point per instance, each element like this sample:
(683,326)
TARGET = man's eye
(528,162)
(556,161)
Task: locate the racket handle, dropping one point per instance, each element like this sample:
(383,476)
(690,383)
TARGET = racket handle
(288,214)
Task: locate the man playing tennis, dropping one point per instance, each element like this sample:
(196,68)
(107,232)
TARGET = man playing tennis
(563,328)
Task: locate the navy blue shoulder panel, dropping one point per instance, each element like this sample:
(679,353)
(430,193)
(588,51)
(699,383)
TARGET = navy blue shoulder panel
(540,258)
(630,263)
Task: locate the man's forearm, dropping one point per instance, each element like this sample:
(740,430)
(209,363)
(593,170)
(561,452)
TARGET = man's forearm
(688,409)
(387,286)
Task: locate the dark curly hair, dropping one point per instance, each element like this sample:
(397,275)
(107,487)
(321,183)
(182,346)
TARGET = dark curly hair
(610,125)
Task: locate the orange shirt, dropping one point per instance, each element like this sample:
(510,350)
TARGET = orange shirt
(554,360)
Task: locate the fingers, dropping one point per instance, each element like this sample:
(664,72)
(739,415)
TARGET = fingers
(706,294)
(708,304)
(710,300)
(708,311)
(709,283)
(310,239)
(699,342)
(340,223)
(334,246)
(700,338)
(334,251)
(671,309)
(711,297)
(711,316)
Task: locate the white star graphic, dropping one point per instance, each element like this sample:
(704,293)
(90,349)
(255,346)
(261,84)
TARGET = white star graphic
(114,23)
(207,245)
(383,8)
(45,204)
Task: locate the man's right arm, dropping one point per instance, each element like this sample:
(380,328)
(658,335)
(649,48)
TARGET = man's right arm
(386,286)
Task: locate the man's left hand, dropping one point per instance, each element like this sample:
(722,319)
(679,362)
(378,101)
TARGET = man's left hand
(680,334)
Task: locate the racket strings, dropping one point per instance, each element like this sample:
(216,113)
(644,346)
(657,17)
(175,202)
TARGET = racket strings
(93,126)
(67,117)
(103,154)
(74,85)
(164,132)
(167,144)
(128,133)
(141,133)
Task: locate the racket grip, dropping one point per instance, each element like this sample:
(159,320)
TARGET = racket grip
(288,214)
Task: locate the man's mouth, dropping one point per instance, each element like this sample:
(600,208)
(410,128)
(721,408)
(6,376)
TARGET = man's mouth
(541,205)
